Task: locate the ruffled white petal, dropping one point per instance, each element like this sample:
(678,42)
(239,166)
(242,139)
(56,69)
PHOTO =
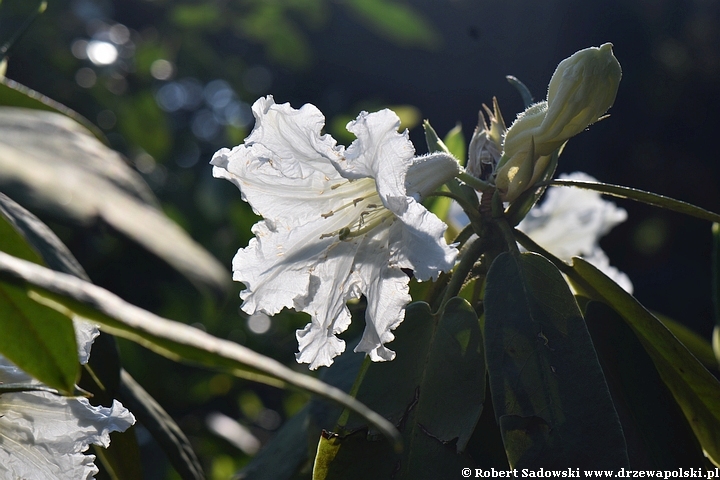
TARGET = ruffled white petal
(44,436)
(337,223)
(386,288)
(85,333)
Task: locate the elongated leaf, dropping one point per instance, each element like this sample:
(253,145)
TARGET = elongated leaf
(657,433)
(33,240)
(51,163)
(547,386)
(695,389)
(13,94)
(641,196)
(162,427)
(174,340)
(101,375)
(433,390)
(37,339)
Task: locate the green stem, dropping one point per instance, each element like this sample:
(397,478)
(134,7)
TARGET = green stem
(502,223)
(469,255)
(345,415)
(469,209)
(474,182)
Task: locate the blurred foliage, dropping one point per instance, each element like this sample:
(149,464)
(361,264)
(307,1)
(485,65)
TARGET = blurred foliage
(167,84)
(184,74)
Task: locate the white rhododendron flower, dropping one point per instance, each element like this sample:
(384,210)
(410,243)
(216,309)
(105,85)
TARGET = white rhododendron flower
(43,435)
(337,223)
(570,221)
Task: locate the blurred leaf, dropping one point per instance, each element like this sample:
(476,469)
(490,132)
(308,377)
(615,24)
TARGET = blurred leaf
(641,196)
(144,124)
(37,339)
(694,388)
(12,94)
(51,163)
(35,242)
(269,24)
(657,434)
(195,16)
(547,386)
(397,22)
(409,116)
(455,143)
(161,426)
(290,443)
(173,340)
(12,239)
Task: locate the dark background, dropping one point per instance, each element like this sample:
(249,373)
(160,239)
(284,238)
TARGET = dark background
(444,58)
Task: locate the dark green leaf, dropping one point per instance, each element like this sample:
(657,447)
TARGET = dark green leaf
(694,388)
(37,339)
(122,458)
(657,434)
(641,196)
(31,232)
(161,426)
(174,340)
(290,443)
(37,148)
(547,386)
(453,384)
(433,390)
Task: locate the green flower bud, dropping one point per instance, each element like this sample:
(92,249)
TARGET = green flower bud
(581,90)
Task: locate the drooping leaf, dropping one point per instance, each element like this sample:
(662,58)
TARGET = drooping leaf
(641,196)
(657,434)
(13,94)
(50,163)
(33,240)
(173,340)
(695,389)
(547,386)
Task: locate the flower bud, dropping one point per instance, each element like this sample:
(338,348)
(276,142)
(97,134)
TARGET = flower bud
(485,147)
(581,90)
